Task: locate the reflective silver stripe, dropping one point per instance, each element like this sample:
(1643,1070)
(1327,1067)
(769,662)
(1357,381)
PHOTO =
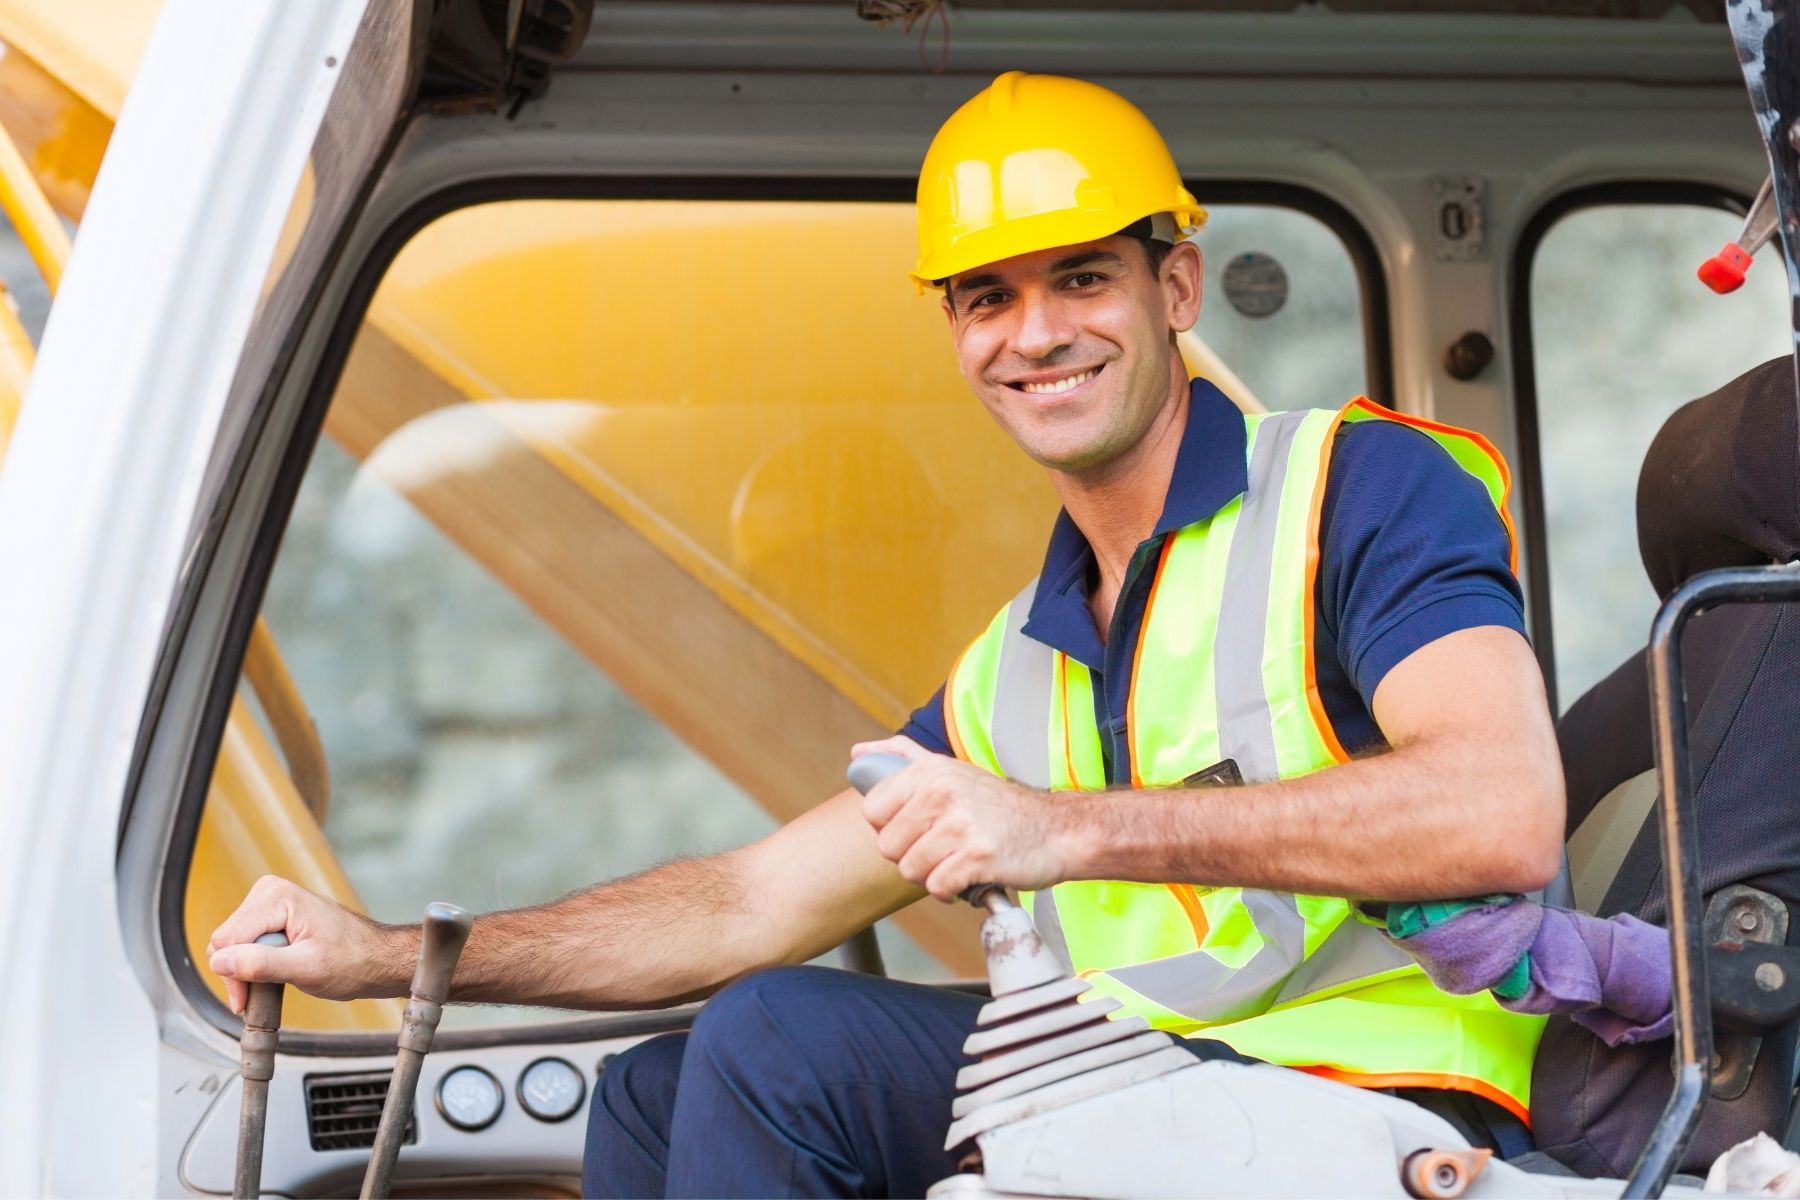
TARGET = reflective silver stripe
(1246,725)
(1353,951)
(1198,985)
(1022,698)
(1021,733)
(1049,926)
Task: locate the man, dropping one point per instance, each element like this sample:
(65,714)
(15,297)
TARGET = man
(1223,599)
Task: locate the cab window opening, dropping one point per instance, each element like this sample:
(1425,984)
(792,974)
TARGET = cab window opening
(1612,332)
(359,501)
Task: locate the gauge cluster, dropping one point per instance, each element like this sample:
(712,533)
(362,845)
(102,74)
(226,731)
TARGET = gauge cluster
(550,1089)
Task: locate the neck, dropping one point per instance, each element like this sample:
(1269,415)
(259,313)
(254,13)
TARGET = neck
(1116,505)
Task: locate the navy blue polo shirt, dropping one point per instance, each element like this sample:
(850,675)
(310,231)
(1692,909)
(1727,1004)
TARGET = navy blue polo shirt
(1410,549)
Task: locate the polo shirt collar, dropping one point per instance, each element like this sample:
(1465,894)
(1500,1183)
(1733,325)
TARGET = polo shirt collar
(1210,472)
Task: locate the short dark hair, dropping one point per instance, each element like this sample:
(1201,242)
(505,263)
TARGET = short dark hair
(1156,252)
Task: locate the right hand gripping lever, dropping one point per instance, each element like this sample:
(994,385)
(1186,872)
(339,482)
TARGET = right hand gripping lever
(1016,956)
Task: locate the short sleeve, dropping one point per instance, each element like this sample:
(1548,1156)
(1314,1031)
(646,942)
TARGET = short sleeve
(926,725)
(1411,550)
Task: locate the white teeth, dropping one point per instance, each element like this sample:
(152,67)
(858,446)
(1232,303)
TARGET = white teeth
(1061,385)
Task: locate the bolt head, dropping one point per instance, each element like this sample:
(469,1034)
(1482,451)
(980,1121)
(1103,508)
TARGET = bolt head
(1747,919)
(1770,977)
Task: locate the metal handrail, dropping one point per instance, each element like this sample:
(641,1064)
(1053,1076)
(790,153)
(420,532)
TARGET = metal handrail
(1681,854)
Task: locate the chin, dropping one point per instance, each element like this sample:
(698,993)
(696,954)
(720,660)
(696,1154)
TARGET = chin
(1067,457)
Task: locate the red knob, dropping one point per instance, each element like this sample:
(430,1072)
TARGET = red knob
(1724,272)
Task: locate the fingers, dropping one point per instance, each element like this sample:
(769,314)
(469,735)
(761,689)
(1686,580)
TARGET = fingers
(265,909)
(896,836)
(935,847)
(231,953)
(243,965)
(924,780)
(905,747)
(888,797)
(953,876)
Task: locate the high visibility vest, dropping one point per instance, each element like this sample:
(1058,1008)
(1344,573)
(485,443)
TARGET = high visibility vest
(1224,670)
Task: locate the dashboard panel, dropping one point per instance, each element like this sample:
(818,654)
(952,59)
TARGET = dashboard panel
(496,1120)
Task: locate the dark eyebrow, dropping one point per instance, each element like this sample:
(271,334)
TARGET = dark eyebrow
(965,286)
(1089,258)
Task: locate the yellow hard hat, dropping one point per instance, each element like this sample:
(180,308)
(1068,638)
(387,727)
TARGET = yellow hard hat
(1037,161)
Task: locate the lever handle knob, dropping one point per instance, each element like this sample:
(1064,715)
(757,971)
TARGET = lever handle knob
(442,935)
(262,1007)
(865,772)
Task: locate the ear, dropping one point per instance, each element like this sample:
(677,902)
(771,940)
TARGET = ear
(1181,275)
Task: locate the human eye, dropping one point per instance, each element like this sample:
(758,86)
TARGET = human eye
(990,299)
(1085,279)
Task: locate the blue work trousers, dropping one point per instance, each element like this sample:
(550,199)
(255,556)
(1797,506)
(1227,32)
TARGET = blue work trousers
(799,1081)
(805,1081)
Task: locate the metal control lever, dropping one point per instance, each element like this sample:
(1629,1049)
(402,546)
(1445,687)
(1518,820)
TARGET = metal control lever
(441,938)
(262,1024)
(1036,1046)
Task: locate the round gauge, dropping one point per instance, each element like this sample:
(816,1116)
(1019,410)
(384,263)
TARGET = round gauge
(470,1098)
(551,1089)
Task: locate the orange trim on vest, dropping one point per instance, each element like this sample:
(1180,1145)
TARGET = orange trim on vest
(1190,904)
(1427,1079)
(956,742)
(1314,702)
(1486,447)
(1137,660)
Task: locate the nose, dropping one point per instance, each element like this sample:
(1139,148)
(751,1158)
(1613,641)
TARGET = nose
(1044,328)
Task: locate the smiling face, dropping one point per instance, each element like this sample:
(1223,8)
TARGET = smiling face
(1072,349)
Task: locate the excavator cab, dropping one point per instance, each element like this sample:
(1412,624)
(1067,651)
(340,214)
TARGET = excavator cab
(496,447)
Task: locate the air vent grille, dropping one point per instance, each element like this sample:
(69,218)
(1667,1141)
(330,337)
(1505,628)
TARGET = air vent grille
(343,1111)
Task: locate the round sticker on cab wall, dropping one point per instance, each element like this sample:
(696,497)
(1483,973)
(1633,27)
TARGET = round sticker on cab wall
(1255,284)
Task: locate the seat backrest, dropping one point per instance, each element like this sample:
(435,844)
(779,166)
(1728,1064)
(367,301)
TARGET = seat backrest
(1720,487)
(1599,844)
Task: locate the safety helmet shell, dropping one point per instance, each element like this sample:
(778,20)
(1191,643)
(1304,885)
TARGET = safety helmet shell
(1037,161)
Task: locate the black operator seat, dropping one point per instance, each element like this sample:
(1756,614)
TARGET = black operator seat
(1719,487)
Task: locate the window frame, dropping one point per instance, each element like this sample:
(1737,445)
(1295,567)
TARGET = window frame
(271,523)
(1527,421)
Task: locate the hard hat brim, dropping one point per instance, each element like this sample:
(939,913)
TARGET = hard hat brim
(1030,235)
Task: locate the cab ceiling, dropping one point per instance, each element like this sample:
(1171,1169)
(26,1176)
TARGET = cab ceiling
(1641,42)
(1708,11)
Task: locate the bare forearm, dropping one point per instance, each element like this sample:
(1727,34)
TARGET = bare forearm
(1417,823)
(672,934)
(682,931)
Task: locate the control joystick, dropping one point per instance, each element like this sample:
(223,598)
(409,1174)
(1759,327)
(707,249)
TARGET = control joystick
(1039,1046)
